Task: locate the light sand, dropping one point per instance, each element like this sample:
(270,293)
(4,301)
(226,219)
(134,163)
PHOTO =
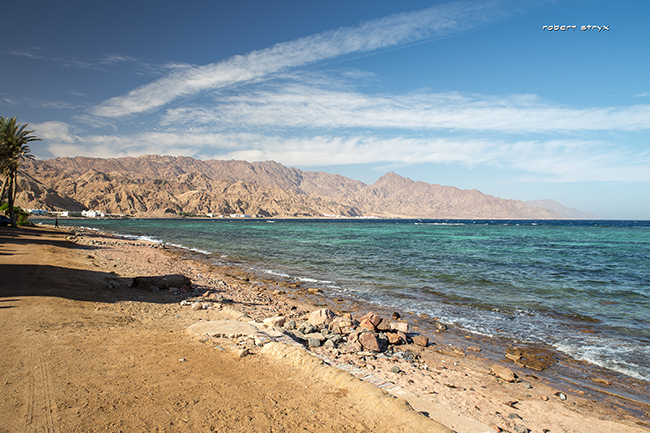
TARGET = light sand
(84,352)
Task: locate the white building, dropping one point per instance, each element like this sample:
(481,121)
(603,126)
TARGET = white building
(92,214)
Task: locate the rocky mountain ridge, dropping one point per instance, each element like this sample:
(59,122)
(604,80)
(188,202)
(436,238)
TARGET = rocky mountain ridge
(165,186)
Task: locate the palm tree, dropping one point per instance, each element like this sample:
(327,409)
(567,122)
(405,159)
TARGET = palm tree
(13,152)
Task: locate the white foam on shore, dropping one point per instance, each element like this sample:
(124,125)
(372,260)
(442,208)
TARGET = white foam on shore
(195,250)
(123,236)
(304,279)
(607,354)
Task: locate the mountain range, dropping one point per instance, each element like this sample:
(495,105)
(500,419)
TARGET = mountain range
(166,186)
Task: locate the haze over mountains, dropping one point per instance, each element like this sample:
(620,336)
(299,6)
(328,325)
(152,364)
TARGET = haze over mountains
(164,186)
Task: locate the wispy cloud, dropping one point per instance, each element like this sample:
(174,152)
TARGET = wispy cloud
(307,107)
(41,103)
(30,53)
(551,160)
(642,95)
(395,30)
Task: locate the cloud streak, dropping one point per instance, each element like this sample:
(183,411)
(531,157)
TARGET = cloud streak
(551,160)
(395,30)
(299,106)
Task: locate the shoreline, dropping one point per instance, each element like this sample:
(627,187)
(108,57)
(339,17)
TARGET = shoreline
(448,377)
(455,340)
(574,370)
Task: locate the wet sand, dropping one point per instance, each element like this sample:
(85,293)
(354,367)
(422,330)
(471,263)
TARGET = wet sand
(86,352)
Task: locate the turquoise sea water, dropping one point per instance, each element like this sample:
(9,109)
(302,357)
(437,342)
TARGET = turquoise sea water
(533,281)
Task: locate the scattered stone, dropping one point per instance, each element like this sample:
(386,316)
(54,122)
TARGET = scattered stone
(275,321)
(173,290)
(440,326)
(291,324)
(395,338)
(503,372)
(182,360)
(474,349)
(324,316)
(222,328)
(371,341)
(163,282)
(420,340)
(396,315)
(335,338)
(521,428)
(534,358)
(561,395)
(240,353)
(372,318)
(307,328)
(405,355)
(384,325)
(366,323)
(314,291)
(511,404)
(395,369)
(317,335)
(528,385)
(313,342)
(197,306)
(544,398)
(154,289)
(329,344)
(185,290)
(400,326)
(514,416)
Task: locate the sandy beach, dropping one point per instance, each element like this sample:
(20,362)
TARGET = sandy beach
(86,350)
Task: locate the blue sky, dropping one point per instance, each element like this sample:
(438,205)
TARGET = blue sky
(474,94)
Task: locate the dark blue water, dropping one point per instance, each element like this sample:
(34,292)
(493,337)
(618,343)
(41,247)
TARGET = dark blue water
(580,286)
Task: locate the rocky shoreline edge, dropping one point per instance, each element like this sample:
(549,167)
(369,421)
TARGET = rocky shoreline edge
(455,386)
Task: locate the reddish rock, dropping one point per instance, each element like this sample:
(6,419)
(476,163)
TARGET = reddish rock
(369,341)
(206,294)
(184,290)
(365,323)
(384,326)
(420,340)
(324,316)
(173,289)
(395,338)
(341,325)
(372,318)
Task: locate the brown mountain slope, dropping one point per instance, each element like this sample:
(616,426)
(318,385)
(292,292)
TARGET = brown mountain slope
(161,186)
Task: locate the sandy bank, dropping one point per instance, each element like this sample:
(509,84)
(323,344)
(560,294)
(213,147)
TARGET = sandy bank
(85,352)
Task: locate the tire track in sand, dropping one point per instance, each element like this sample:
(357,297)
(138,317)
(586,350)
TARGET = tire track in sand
(41,408)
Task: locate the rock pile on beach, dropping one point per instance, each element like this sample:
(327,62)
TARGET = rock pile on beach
(371,332)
